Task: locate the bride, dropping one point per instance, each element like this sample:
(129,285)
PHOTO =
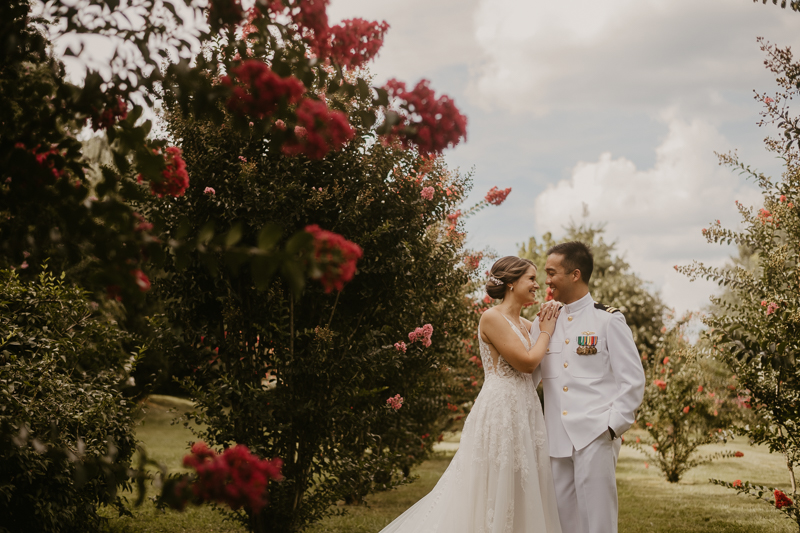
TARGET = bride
(500,480)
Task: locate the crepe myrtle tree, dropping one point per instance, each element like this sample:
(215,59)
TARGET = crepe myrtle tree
(756,331)
(307,376)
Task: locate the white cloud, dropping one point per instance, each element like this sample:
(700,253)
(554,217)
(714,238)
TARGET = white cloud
(656,214)
(541,56)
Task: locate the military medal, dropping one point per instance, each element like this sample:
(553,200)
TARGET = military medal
(587,343)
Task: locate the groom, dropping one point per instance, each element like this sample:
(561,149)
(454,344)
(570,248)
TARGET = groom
(593,384)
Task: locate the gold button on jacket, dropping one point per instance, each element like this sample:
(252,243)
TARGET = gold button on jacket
(566,389)
(564,413)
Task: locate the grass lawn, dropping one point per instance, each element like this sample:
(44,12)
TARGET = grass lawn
(647,503)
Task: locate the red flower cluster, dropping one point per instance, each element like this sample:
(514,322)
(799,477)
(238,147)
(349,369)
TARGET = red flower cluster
(451,407)
(260,90)
(422,334)
(319,130)
(497,196)
(431,124)
(660,384)
(116,111)
(548,294)
(782,500)
(356,41)
(737,484)
(395,402)
(475,359)
(142,281)
(45,158)
(765,216)
(311,18)
(236,477)
(176,179)
(334,258)
(400,346)
(472,262)
(224,12)
(738,454)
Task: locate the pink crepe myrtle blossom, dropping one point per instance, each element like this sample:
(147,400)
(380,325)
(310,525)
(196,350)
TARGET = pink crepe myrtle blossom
(209,191)
(497,196)
(400,346)
(395,402)
(660,384)
(422,334)
(771,308)
(427,193)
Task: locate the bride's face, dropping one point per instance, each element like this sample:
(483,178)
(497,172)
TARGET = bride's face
(525,287)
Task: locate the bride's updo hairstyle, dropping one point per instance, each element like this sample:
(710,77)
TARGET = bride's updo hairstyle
(506,270)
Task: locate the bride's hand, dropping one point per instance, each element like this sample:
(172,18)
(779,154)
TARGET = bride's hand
(548,316)
(546,306)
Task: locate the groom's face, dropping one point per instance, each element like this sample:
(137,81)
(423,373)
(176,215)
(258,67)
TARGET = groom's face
(558,279)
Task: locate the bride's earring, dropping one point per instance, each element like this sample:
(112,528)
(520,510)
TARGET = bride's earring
(512,287)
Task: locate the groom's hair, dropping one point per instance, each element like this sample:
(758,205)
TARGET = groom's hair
(577,256)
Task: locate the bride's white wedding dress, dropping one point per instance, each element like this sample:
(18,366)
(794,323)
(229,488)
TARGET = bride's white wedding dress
(500,479)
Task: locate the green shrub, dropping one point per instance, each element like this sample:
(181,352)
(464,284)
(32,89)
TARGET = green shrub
(62,369)
(689,401)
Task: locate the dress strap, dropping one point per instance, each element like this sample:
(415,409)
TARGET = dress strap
(526,342)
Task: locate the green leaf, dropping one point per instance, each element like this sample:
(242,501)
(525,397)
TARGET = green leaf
(206,233)
(234,235)
(298,242)
(269,236)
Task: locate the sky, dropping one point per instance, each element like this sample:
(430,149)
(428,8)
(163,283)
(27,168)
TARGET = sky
(618,106)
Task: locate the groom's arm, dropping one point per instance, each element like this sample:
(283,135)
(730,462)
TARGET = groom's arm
(626,367)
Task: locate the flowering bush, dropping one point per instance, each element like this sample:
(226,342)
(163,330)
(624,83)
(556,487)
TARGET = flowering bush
(334,261)
(686,404)
(755,325)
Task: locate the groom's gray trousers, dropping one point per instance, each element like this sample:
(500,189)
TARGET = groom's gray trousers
(586,487)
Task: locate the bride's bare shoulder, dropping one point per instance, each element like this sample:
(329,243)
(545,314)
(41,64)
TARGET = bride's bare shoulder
(490,320)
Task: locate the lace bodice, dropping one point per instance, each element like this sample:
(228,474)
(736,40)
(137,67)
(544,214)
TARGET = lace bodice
(503,368)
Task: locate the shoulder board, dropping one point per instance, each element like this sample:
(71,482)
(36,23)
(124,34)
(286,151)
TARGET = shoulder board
(606,308)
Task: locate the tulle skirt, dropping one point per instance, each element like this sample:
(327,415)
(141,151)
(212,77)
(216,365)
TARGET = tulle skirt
(499,480)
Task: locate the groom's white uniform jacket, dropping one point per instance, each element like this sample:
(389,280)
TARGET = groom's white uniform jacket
(584,395)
